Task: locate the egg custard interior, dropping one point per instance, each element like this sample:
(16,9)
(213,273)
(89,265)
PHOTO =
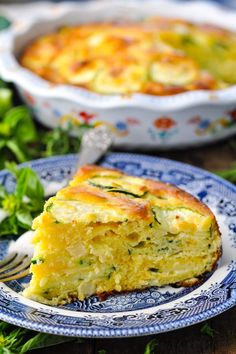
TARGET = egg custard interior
(110,232)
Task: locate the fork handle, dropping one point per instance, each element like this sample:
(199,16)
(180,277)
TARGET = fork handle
(94,144)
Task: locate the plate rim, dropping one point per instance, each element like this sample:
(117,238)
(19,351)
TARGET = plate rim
(78,331)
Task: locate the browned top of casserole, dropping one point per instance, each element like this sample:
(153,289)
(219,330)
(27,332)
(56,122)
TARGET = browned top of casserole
(156,56)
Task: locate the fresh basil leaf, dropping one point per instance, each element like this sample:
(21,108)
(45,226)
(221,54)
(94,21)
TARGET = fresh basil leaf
(14,147)
(15,115)
(2,143)
(20,120)
(22,183)
(43,340)
(12,168)
(3,192)
(28,184)
(20,341)
(25,131)
(4,350)
(25,203)
(9,226)
(24,219)
(5,130)
(5,100)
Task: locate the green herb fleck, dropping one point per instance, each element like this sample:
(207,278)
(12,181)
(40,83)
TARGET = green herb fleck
(151,347)
(186,40)
(85,262)
(220,45)
(155,217)
(91,183)
(140,244)
(154,270)
(49,207)
(112,189)
(162,249)
(37,260)
(206,329)
(113,268)
(126,192)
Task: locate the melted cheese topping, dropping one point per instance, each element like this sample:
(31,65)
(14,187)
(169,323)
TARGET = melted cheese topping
(108,231)
(156,56)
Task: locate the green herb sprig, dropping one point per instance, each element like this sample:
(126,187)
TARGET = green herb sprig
(151,347)
(23,204)
(59,141)
(19,139)
(15,340)
(206,329)
(229,174)
(17,130)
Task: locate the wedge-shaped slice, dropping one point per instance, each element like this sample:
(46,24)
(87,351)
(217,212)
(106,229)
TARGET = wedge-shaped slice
(108,232)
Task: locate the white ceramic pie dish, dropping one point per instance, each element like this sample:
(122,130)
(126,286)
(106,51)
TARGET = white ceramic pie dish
(138,121)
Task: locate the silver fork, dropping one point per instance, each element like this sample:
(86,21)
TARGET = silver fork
(94,144)
(18,259)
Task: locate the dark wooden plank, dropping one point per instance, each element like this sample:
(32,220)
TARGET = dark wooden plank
(211,157)
(189,340)
(86,347)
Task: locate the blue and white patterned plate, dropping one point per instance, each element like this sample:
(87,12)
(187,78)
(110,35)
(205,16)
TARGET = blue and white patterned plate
(137,313)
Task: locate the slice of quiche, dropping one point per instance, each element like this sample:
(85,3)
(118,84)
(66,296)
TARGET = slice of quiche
(110,232)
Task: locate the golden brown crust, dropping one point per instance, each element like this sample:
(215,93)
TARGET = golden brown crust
(88,194)
(155,188)
(162,189)
(88,171)
(84,56)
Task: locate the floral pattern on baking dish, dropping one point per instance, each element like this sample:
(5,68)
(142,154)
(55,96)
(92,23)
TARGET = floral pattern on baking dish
(157,129)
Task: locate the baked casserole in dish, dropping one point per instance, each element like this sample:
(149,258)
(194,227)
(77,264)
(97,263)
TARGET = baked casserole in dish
(158,56)
(159,74)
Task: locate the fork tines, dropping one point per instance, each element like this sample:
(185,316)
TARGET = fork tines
(14,266)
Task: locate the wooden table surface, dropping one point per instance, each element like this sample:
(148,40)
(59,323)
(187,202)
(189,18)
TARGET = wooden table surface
(188,340)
